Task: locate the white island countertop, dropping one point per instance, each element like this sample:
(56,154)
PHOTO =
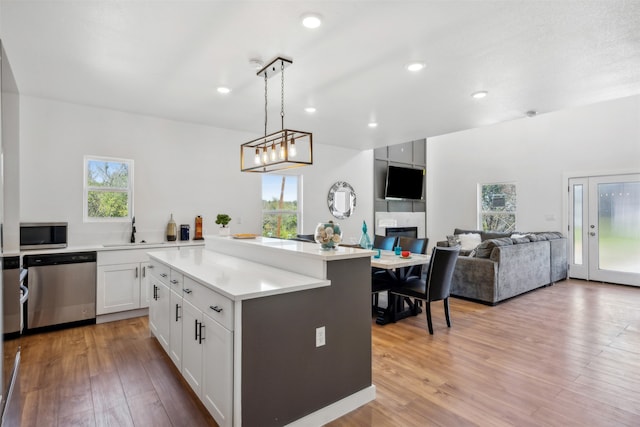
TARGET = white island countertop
(288,247)
(233,277)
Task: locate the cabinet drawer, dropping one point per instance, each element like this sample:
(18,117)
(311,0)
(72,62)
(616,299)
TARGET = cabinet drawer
(175,280)
(160,270)
(211,303)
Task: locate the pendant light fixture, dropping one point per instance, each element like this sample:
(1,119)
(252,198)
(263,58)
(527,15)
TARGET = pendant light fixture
(280,150)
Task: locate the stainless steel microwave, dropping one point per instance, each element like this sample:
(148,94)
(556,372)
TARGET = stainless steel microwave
(43,235)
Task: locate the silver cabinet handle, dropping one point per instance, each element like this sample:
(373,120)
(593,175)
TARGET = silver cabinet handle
(144,271)
(150,265)
(163,275)
(216,308)
(136,272)
(187,291)
(174,281)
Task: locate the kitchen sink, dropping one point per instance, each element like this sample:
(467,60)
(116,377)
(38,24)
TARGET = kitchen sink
(112,245)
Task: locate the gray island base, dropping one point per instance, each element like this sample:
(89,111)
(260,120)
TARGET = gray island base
(274,302)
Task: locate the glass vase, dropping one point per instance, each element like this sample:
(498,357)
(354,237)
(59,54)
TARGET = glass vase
(328,235)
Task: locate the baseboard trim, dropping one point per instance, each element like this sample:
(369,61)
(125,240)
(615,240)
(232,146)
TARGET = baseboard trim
(111,317)
(337,409)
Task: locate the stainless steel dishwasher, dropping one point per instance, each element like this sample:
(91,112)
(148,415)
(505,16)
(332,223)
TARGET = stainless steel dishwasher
(62,289)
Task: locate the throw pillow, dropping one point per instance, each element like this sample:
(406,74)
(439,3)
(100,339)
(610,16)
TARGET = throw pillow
(485,248)
(453,240)
(469,241)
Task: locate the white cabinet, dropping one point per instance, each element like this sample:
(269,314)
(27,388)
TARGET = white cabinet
(160,311)
(122,282)
(118,288)
(199,324)
(175,328)
(192,347)
(217,378)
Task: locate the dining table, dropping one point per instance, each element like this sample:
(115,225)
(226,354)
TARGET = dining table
(399,269)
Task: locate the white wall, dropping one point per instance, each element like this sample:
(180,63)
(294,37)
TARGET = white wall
(180,168)
(537,154)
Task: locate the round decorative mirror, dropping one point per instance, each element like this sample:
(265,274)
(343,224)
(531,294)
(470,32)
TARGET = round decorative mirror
(341,200)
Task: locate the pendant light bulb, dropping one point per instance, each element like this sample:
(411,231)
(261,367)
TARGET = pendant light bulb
(273,152)
(257,159)
(282,151)
(265,156)
(292,148)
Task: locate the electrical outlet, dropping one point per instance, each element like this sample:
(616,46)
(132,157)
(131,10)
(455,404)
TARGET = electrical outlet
(320,336)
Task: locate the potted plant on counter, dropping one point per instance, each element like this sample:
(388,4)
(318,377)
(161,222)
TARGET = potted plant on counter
(223,220)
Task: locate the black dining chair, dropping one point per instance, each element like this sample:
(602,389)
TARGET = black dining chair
(437,285)
(415,246)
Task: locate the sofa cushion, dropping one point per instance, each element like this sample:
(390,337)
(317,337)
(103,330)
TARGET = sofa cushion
(485,248)
(486,235)
(518,240)
(469,241)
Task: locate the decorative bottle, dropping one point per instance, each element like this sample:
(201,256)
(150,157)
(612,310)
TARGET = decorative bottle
(365,241)
(172,230)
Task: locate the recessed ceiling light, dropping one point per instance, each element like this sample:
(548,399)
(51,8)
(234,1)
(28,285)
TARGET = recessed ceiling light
(310,109)
(223,90)
(311,20)
(373,125)
(480,94)
(531,113)
(415,66)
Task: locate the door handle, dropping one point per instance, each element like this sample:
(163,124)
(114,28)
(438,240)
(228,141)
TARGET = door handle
(136,272)
(177,316)
(201,337)
(144,271)
(592,233)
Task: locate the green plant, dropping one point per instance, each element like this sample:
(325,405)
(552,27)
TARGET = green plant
(223,219)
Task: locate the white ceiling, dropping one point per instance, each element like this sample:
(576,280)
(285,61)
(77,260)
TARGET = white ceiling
(166,58)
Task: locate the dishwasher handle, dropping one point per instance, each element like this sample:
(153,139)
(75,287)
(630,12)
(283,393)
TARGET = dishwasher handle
(25,294)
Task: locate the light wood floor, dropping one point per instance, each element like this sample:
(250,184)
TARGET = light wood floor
(564,355)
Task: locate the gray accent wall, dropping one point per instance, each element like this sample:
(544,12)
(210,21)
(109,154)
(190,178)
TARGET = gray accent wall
(278,347)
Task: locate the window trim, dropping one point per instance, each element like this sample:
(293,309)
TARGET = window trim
(86,188)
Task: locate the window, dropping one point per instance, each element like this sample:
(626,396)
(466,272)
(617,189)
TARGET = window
(498,207)
(108,189)
(280,205)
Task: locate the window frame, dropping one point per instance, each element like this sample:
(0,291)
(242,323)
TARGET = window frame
(482,213)
(87,189)
(298,213)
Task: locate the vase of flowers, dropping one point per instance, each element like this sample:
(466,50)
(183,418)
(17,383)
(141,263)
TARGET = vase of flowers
(328,234)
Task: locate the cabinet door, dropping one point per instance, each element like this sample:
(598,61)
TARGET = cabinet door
(192,346)
(118,288)
(217,382)
(175,333)
(159,312)
(145,286)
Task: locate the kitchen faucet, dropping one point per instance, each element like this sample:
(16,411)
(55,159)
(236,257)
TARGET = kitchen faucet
(133,229)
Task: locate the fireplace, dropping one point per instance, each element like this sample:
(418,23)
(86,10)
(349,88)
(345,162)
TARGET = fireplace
(402,231)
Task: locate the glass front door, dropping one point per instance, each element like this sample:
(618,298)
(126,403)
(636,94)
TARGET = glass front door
(605,228)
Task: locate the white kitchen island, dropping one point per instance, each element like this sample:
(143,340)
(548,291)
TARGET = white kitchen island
(244,321)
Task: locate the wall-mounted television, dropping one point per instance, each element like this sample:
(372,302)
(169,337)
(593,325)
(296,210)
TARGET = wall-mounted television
(404,183)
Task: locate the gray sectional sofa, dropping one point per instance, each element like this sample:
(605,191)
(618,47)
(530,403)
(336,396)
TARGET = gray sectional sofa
(502,267)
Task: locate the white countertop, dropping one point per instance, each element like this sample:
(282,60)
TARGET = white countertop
(305,249)
(115,247)
(235,278)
